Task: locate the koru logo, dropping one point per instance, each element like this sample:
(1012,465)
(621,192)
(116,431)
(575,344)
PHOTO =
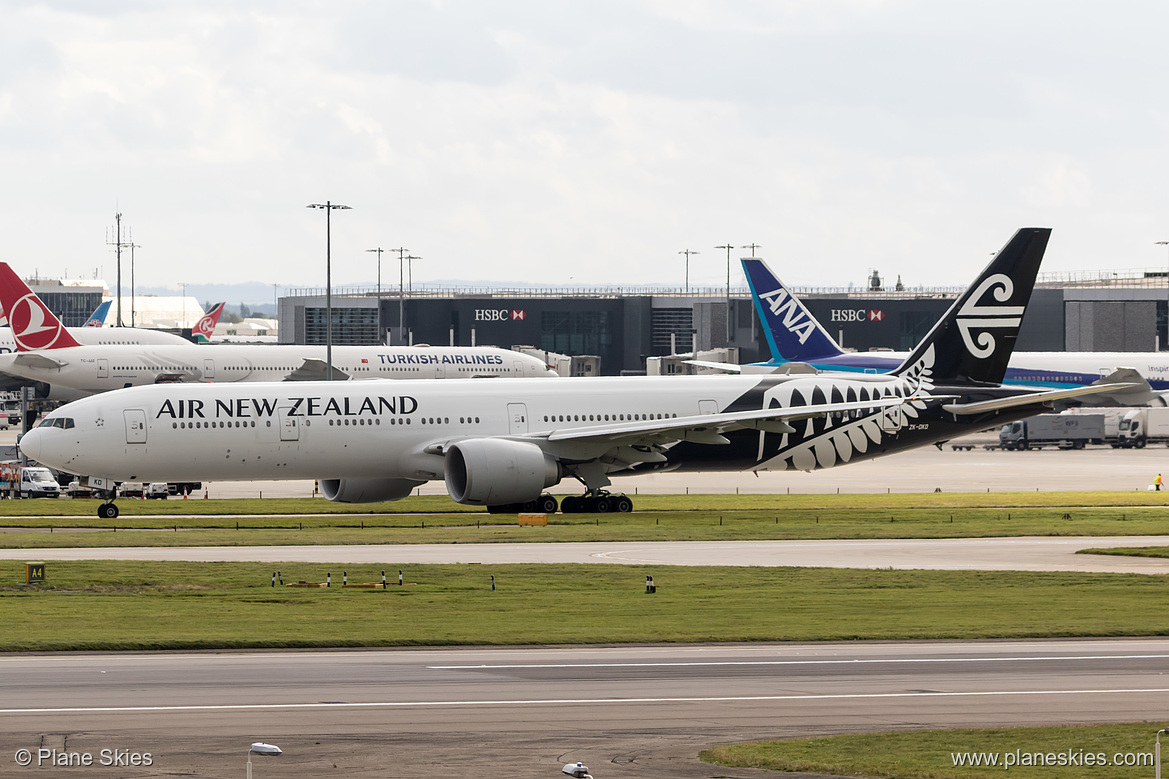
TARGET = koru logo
(28,320)
(973,316)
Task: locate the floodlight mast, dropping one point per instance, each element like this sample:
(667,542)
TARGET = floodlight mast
(328,206)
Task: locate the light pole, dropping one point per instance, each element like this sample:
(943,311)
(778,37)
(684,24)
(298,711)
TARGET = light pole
(379,291)
(401,250)
(1157,756)
(1165,243)
(728,247)
(133,246)
(410,258)
(276,302)
(183,285)
(687,252)
(329,207)
(260,748)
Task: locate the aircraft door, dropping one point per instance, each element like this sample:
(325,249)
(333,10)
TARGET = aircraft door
(892,419)
(517,418)
(103,368)
(439,371)
(289,425)
(519,368)
(135,425)
(208,368)
(707,407)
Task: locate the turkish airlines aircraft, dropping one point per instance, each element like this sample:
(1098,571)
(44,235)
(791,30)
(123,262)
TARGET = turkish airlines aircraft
(63,368)
(19,298)
(501,443)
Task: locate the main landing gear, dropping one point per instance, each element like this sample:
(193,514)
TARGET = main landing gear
(107,510)
(600,502)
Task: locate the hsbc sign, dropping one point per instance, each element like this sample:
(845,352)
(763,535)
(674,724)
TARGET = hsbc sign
(499,315)
(857,315)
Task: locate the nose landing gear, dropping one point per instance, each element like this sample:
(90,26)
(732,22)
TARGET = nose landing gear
(107,510)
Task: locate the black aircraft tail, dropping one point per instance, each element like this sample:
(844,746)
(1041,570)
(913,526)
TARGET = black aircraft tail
(973,341)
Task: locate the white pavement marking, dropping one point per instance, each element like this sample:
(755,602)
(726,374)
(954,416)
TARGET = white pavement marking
(573,701)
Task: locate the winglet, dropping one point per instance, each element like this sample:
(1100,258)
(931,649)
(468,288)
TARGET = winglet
(973,341)
(792,332)
(206,326)
(33,325)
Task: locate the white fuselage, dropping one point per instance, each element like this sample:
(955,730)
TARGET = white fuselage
(80,371)
(101,336)
(370,430)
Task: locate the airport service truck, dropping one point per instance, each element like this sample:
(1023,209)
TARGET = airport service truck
(1144,425)
(1066,431)
(27,481)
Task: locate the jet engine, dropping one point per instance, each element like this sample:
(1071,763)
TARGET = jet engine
(493,471)
(367,490)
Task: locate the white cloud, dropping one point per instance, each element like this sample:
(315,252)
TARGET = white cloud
(556,141)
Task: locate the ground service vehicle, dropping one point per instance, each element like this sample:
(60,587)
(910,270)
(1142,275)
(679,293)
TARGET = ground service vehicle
(1066,431)
(1142,426)
(27,481)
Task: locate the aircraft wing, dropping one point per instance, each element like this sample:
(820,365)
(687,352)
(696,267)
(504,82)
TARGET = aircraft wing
(314,369)
(38,360)
(707,428)
(1031,398)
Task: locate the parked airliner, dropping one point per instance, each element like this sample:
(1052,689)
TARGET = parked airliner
(501,443)
(796,336)
(65,369)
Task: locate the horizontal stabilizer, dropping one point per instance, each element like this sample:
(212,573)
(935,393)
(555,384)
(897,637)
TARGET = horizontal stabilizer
(1029,399)
(729,367)
(314,369)
(38,360)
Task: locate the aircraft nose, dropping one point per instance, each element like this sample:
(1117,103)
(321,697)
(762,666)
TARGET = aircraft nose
(30,443)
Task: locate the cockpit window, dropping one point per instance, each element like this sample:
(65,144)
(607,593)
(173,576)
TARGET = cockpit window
(65,423)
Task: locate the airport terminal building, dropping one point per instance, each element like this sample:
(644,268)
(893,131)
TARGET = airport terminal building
(1105,311)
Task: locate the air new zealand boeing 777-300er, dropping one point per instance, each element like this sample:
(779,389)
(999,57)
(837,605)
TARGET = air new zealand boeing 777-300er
(501,443)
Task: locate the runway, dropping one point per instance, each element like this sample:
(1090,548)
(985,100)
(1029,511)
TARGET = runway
(1045,553)
(624,711)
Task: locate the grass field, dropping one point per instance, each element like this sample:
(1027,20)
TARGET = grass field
(1036,753)
(154,605)
(435,519)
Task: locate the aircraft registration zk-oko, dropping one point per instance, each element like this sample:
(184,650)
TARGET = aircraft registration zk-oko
(501,443)
(64,369)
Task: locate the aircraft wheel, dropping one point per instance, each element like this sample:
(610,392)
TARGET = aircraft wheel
(546,504)
(602,505)
(622,504)
(571,504)
(107,511)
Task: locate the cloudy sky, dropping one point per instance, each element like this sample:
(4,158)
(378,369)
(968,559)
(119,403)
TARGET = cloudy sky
(580,143)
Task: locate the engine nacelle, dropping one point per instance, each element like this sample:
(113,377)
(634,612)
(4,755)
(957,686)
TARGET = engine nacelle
(367,490)
(493,471)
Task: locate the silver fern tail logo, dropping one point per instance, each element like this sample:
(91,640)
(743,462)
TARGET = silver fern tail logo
(976,321)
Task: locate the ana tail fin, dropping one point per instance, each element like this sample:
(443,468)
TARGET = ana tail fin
(973,341)
(98,317)
(206,326)
(33,325)
(792,332)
